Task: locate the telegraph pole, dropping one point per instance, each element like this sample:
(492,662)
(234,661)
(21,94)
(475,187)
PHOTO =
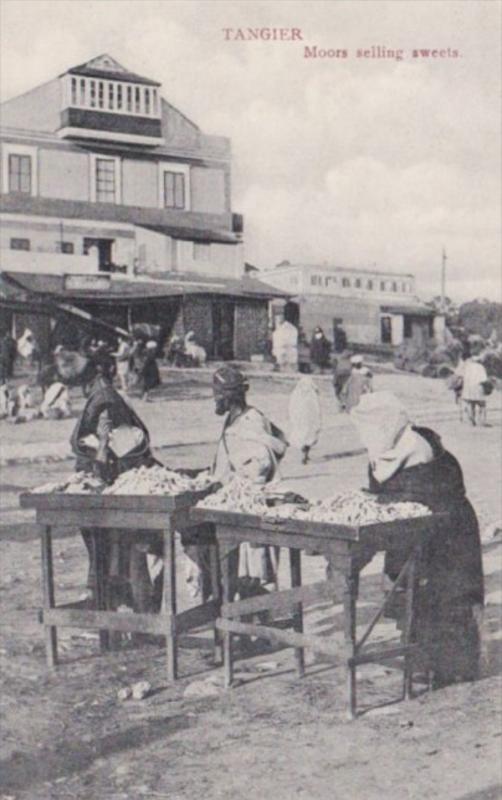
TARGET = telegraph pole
(443,280)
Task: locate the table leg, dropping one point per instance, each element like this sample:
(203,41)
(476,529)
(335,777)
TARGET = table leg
(408,624)
(216,595)
(169,603)
(228,588)
(100,588)
(296,580)
(51,641)
(349,613)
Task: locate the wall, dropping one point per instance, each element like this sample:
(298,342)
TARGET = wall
(208,190)
(155,252)
(251,328)
(49,263)
(45,233)
(361,319)
(140,183)
(63,174)
(225,260)
(37,110)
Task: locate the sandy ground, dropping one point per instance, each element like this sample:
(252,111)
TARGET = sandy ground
(66,735)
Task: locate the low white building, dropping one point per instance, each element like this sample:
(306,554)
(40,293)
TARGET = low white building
(372,306)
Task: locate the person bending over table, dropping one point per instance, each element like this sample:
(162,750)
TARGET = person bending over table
(409,463)
(251,447)
(109,438)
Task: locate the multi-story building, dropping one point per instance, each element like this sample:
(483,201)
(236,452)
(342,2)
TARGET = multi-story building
(99,173)
(374,307)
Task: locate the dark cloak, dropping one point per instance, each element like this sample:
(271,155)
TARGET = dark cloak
(452,561)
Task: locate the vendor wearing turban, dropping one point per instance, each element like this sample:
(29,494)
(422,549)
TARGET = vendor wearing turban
(251,447)
(409,463)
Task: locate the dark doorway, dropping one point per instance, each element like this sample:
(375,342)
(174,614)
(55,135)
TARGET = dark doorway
(292,313)
(386,330)
(223,330)
(104,247)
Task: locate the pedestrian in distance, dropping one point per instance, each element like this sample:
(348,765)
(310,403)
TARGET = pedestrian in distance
(320,349)
(358,383)
(304,416)
(122,359)
(475,390)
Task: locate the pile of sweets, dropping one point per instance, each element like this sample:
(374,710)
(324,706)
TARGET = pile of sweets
(158,480)
(348,508)
(238,494)
(155,480)
(78,483)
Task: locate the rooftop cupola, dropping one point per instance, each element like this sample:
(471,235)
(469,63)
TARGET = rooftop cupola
(102,100)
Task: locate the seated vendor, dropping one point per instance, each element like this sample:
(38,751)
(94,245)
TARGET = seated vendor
(409,463)
(109,438)
(251,447)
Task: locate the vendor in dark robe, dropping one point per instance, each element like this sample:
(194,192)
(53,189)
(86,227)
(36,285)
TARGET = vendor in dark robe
(409,463)
(109,438)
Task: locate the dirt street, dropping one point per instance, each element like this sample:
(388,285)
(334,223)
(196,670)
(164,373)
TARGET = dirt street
(66,735)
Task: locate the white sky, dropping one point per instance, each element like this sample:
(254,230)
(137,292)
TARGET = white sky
(345,161)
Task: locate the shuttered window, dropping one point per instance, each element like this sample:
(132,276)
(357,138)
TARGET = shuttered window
(20,174)
(174,190)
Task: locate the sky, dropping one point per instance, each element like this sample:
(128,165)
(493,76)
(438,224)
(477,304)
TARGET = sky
(356,161)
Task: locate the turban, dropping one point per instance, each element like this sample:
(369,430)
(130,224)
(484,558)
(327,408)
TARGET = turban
(229,381)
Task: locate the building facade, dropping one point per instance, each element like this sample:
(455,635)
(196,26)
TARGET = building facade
(373,307)
(97,162)
(99,174)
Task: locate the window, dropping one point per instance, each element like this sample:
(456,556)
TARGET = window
(407,328)
(119,97)
(82,92)
(137,100)
(147,101)
(105,180)
(316,280)
(369,285)
(111,95)
(174,190)
(20,173)
(358,283)
(201,251)
(65,247)
(154,101)
(74,91)
(20,244)
(345,282)
(101,94)
(394,286)
(93,94)
(129,98)
(382,286)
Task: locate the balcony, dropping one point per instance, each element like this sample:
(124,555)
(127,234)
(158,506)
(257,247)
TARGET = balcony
(108,104)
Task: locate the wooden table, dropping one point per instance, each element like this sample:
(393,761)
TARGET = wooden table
(129,513)
(344,547)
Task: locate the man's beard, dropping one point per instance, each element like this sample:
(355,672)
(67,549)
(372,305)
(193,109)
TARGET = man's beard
(220,406)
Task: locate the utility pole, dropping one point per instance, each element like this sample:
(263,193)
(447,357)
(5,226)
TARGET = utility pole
(443,280)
